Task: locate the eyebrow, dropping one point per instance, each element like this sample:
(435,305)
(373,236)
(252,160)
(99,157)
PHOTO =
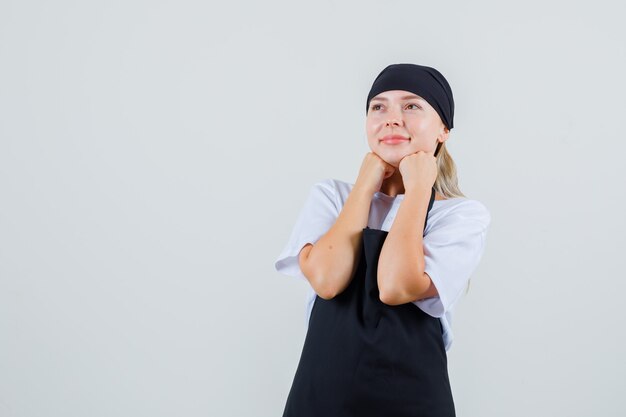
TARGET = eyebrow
(402,98)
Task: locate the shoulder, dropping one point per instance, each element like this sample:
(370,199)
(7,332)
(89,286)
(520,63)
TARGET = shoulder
(334,184)
(459,213)
(324,196)
(465,208)
(333,188)
(472,209)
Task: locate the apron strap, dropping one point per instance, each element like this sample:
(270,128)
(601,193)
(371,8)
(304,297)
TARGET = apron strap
(430,205)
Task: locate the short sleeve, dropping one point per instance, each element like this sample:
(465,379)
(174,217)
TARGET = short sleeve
(452,250)
(316,217)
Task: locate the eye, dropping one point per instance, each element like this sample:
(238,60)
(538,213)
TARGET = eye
(414,105)
(374,106)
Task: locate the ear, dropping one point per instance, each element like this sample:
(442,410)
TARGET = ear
(443,136)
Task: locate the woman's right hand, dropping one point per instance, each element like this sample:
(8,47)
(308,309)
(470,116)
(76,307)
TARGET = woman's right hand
(373,172)
(331,262)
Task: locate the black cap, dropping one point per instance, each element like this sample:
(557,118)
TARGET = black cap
(424,81)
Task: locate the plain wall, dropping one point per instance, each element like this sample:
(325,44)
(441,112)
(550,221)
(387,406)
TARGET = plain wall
(154,156)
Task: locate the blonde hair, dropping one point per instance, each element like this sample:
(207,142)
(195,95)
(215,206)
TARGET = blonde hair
(447,183)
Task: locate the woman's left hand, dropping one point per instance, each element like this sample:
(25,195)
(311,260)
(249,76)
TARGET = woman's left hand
(419,170)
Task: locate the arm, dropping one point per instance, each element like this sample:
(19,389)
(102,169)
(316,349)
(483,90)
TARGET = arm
(330,263)
(401,276)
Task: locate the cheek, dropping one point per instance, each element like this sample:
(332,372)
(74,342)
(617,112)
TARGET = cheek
(370,130)
(421,128)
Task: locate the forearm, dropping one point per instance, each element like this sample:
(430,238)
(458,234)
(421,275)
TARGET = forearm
(401,262)
(331,262)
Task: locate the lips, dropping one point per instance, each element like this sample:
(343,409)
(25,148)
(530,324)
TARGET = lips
(394,139)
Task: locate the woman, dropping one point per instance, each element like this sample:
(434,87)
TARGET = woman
(383,280)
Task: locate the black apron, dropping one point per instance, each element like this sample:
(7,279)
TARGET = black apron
(363,358)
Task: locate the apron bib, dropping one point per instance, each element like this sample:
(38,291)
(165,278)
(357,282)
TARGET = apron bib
(363,358)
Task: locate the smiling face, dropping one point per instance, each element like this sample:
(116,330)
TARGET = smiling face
(400,123)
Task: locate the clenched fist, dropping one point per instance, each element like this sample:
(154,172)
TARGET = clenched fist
(419,170)
(373,172)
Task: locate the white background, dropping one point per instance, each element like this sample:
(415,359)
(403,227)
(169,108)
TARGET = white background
(154,156)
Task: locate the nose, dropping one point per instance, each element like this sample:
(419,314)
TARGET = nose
(394,119)
(391,122)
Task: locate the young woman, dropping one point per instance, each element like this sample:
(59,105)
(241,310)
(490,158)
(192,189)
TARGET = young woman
(387,258)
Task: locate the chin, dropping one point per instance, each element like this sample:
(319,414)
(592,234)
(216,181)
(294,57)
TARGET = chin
(393,161)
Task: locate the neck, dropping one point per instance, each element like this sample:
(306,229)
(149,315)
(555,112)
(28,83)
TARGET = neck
(393,185)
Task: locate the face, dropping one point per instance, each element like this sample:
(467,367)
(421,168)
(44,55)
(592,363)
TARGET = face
(400,123)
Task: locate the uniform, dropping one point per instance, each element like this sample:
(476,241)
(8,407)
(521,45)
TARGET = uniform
(362,357)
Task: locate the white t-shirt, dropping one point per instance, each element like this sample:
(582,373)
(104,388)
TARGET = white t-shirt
(454,242)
